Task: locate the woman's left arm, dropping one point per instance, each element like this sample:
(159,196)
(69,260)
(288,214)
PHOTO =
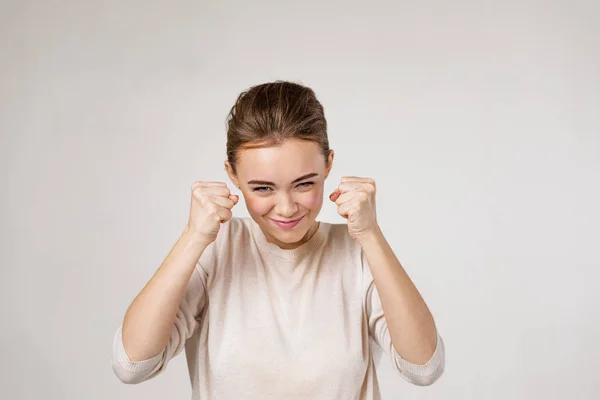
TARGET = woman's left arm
(411,326)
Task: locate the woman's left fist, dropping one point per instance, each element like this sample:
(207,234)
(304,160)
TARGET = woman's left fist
(355,198)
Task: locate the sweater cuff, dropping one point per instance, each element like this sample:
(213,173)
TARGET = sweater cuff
(126,363)
(432,366)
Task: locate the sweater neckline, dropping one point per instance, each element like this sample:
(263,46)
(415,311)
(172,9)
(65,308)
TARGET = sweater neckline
(287,254)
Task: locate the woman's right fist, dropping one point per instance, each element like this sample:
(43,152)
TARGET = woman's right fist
(210,207)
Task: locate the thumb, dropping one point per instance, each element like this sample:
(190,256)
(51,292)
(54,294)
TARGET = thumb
(334,196)
(235,198)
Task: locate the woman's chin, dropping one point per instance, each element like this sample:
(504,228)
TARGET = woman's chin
(289,237)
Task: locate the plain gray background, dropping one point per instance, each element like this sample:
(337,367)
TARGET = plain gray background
(478,120)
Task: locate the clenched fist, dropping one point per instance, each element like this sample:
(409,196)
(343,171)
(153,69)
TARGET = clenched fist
(210,207)
(355,198)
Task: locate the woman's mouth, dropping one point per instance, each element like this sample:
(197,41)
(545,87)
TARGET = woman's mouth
(287,225)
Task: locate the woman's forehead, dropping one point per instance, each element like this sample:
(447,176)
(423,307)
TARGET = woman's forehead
(292,157)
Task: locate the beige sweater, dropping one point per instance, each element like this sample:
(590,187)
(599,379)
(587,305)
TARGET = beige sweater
(259,322)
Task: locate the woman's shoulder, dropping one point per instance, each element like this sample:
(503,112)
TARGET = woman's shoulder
(235,229)
(335,228)
(340,249)
(337,236)
(231,238)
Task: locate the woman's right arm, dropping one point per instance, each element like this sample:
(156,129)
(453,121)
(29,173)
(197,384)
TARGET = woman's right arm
(148,322)
(164,314)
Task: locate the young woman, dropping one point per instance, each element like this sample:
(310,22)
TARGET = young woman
(280,305)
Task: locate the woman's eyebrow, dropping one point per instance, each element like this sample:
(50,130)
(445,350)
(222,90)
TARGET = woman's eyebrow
(303,177)
(267,183)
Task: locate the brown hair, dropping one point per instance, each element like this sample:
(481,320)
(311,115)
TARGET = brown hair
(268,114)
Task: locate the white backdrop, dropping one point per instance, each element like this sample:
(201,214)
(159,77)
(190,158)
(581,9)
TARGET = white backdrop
(478,120)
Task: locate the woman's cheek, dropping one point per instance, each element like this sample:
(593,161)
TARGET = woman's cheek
(313,199)
(258,206)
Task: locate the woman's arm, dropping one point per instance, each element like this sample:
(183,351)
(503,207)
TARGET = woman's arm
(411,326)
(149,320)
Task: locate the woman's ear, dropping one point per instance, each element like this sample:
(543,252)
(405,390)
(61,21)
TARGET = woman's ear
(329,163)
(232,174)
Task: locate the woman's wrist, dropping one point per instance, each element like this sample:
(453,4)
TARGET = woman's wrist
(193,238)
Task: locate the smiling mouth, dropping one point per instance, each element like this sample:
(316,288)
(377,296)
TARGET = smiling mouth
(287,224)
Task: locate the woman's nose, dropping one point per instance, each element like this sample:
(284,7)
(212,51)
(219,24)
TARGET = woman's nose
(286,206)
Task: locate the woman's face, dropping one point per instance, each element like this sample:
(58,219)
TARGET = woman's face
(283,188)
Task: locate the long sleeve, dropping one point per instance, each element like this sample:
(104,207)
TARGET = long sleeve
(421,375)
(187,320)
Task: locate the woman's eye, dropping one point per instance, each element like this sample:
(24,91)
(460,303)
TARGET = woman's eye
(262,189)
(306,184)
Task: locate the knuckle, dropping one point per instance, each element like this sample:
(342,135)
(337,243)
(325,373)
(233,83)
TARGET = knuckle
(211,207)
(198,193)
(220,191)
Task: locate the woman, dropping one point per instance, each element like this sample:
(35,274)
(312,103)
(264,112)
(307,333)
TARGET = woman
(279,305)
